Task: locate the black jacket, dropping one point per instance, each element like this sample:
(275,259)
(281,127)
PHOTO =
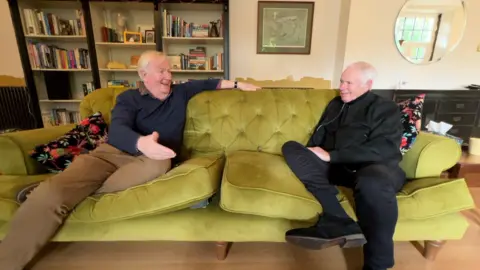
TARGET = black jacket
(365,131)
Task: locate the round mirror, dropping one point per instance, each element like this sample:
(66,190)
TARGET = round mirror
(427,30)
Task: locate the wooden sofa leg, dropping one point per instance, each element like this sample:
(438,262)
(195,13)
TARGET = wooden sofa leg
(432,248)
(222,249)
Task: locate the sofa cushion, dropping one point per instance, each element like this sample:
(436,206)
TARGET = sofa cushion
(411,117)
(56,155)
(262,184)
(184,186)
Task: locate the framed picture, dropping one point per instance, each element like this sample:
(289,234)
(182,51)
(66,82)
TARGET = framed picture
(149,36)
(284,27)
(132,37)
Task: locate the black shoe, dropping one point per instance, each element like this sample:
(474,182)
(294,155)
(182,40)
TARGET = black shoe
(329,231)
(23,194)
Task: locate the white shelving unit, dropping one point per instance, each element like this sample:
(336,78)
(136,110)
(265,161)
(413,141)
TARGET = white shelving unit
(56,24)
(181,40)
(138,16)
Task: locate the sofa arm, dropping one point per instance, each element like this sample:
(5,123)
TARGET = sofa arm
(16,146)
(430,156)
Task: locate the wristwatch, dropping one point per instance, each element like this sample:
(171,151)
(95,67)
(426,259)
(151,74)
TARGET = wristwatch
(235,84)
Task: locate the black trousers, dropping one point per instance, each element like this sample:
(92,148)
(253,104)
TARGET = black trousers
(375,187)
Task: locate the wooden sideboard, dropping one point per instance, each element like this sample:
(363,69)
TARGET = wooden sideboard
(457,107)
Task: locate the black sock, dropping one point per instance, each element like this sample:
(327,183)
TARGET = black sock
(330,203)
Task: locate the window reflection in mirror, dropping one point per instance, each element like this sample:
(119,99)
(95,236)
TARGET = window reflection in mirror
(427,30)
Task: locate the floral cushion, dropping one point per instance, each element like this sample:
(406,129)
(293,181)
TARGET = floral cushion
(59,153)
(411,119)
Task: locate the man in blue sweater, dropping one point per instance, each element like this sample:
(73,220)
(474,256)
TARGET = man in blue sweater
(145,134)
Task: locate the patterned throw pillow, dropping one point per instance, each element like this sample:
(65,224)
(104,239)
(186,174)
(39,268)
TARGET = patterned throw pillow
(59,153)
(412,120)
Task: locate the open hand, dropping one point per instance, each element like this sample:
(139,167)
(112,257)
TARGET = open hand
(322,154)
(247,87)
(150,147)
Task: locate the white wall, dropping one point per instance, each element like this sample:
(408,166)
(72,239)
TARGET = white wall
(10,63)
(245,62)
(370,38)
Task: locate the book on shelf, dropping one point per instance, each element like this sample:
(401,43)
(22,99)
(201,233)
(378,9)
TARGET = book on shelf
(87,88)
(57,117)
(49,56)
(123,84)
(109,34)
(196,59)
(175,26)
(38,22)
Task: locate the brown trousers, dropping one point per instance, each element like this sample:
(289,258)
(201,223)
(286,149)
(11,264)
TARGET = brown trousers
(106,169)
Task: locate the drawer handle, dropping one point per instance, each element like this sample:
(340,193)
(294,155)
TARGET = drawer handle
(457,118)
(460,106)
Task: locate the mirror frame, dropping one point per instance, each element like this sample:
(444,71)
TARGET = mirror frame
(453,48)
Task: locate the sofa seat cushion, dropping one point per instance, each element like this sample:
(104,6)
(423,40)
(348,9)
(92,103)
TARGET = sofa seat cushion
(432,197)
(262,184)
(184,186)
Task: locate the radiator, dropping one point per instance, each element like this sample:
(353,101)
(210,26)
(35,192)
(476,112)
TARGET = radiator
(16,109)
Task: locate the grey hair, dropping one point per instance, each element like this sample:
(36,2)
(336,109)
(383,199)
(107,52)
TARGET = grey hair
(368,71)
(145,59)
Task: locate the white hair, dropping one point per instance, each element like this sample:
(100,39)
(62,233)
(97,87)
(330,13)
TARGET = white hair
(367,70)
(145,59)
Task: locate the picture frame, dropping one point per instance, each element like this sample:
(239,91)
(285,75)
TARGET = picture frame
(284,27)
(132,37)
(149,36)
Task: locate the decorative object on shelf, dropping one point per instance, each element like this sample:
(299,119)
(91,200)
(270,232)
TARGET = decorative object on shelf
(214,29)
(141,28)
(284,27)
(134,61)
(473,87)
(121,26)
(149,36)
(132,37)
(426,31)
(116,65)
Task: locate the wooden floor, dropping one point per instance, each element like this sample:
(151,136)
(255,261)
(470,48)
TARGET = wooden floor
(456,255)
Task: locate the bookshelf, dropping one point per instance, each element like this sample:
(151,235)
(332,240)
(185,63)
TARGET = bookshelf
(76,46)
(58,55)
(187,40)
(117,59)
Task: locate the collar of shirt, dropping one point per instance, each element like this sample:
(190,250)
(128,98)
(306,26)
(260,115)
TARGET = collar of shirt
(144,91)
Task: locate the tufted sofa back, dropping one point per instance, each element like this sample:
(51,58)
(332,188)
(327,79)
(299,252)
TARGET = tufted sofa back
(224,121)
(227,120)
(101,100)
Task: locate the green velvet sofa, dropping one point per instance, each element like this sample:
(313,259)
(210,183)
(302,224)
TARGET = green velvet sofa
(232,143)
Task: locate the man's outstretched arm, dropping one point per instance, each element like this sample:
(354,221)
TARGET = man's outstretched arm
(226,84)
(194,87)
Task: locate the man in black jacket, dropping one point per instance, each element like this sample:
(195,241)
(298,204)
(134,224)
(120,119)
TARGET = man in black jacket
(355,144)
